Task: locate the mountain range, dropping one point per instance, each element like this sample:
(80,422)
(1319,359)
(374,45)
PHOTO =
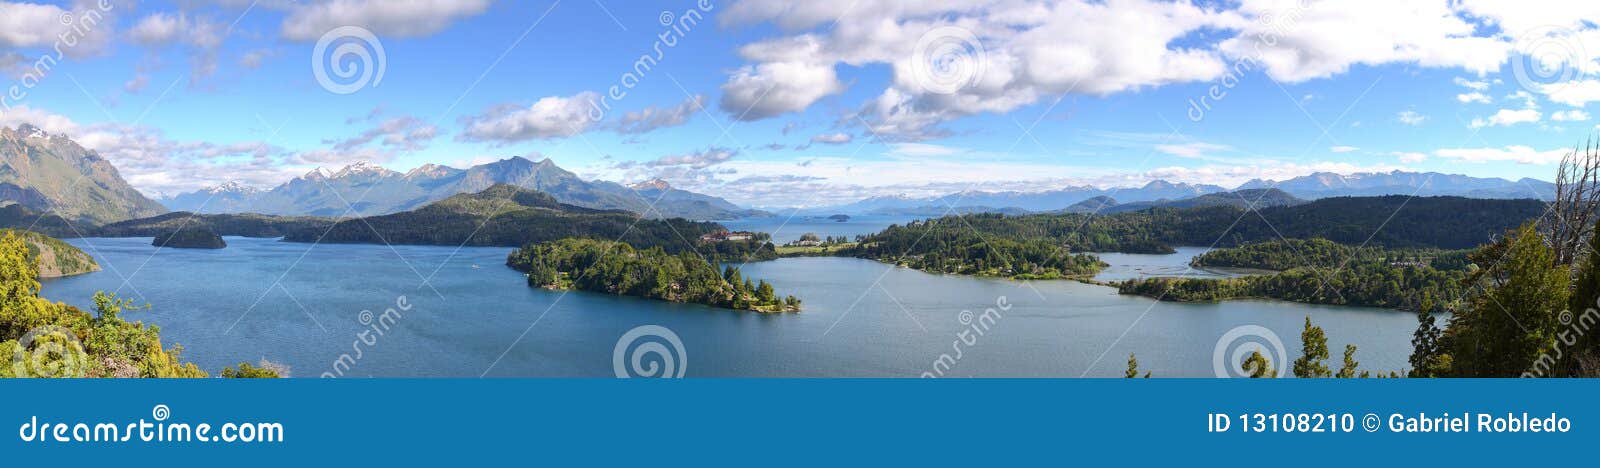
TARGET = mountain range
(363,189)
(52,173)
(1159,192)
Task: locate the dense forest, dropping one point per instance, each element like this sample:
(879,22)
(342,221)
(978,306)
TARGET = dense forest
(54,257)
(1368,284)
(1285,254)
(508,216)
(619,268)
(243,225)
(946,245)
(52,339)
(16,216)
(1421,222)
(190,238)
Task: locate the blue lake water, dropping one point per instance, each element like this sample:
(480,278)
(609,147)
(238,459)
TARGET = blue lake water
(1132,266)
(301,305)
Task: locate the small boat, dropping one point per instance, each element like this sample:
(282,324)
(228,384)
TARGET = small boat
(475,266)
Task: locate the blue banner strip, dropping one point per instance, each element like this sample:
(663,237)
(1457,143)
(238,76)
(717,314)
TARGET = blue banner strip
(748,422)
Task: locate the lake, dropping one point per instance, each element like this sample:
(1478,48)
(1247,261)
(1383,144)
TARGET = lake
(302,305)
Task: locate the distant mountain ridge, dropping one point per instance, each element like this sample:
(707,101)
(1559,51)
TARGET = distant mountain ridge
(364,189)
(1159,192)
(54,174)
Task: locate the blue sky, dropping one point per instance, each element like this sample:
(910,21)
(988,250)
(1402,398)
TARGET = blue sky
(774,103)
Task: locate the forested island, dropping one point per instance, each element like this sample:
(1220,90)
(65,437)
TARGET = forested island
(190,238)
(1319,271)
(653,273)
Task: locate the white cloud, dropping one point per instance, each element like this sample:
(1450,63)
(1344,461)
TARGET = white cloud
(1327,38)
(837,138)
(1035,50)
(1515,153)
(922,150)
(1472,85)
(1411,117)
(1343,149)
(1507,117)
(202,36)
(155,164)
(652,118)
(1576,93)
(1410,157)
(404,132)
(1196,150)
(1569,116)
(549,117)
(413,18)
(29,24)
(770,89)
(697,160)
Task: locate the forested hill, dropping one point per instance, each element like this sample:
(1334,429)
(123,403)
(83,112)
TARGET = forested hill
(509,217)
(1405,222)
(246,225)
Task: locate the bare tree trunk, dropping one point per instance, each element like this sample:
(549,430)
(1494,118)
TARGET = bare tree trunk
(1572,212)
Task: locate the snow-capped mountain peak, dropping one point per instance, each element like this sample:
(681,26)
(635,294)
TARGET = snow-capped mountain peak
(652,184)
